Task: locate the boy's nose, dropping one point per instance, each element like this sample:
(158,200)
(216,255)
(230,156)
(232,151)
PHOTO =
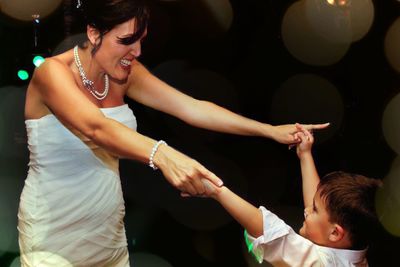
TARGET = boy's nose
(306,212)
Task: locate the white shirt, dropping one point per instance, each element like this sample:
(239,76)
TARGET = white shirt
(282,246)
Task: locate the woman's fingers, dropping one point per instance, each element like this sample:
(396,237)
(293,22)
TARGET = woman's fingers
(186,175)
(210,189)
(302,136)
(316,126)
(211,177)
(189,188)
(197,184)
(304,132)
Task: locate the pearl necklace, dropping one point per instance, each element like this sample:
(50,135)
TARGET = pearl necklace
(88,83)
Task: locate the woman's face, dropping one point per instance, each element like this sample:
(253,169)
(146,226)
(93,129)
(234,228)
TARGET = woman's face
(114,57)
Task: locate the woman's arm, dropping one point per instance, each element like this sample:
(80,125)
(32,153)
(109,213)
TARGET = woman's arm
(151,91)
(60,94)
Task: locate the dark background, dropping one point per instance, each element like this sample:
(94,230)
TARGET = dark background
(245,68)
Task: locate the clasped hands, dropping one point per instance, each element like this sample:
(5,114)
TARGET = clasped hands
(193,179)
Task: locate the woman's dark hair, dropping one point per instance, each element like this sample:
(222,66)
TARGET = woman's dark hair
(104,15)
(350,202)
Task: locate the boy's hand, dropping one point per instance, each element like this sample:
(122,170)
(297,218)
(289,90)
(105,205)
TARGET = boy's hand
(307,140)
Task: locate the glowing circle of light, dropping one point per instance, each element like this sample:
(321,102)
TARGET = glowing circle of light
(16,262)
(340,20)
(201,84)
(221,11)
(23,10)
(37,61)
(308,98)
(304,43)
(329,20)
(362,14)
(392,44)
(13,143)
(391,124)
(206,18)
(9,189)
(388,200)
(23,75)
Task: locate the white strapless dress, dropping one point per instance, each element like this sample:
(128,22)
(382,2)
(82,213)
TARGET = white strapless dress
(71,208)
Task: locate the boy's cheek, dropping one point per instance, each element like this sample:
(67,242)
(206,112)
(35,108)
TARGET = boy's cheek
(302,231)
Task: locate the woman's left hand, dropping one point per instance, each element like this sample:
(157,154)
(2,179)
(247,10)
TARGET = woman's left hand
(287,133)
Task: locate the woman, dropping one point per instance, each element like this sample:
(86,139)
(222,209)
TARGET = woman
(71,208)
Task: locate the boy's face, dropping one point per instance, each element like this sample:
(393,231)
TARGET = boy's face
(316,226)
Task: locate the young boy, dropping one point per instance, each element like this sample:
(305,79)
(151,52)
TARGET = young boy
(338,215)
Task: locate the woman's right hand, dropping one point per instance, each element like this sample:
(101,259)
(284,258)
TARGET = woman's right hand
(183,172)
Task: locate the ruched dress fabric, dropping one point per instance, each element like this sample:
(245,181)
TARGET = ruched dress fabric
(71,208)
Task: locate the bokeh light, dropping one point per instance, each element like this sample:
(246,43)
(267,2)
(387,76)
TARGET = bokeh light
(143,259)
(10,189)
(37,61)
(340,20)
(330,21)
(23,75)
(8,220)
(221,12)
(308,98)
(340,3)
(391,124)
(12,126)
(361,13)
(200,84)
(388,200)
(16,262)
(206,18)
(23,10)
(304,43)
(392,44)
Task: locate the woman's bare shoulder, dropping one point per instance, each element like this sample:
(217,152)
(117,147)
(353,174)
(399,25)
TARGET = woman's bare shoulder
(58,67)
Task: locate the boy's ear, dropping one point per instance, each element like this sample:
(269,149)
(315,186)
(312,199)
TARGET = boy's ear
(93,34)
(337,234)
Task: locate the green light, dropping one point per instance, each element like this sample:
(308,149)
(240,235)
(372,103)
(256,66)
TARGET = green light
(250,245)
(23,75)
(38,60)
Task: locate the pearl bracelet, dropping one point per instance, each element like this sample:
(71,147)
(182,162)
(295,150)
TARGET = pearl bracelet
(153,152)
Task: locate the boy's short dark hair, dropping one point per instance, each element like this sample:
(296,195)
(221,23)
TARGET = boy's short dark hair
(350,201)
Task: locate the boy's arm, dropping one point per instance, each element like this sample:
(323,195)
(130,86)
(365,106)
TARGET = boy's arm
(242,211)
(310,177)
(279,245)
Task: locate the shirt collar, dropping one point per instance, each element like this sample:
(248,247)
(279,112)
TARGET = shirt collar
(353,256)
